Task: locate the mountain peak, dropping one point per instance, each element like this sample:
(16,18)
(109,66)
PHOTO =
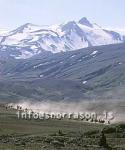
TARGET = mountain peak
(69,25)
(85,21)
(28,25)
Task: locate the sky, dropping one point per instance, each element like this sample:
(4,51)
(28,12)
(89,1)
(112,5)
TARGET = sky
(106,13)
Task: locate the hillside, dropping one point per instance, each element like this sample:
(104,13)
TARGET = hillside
(89,73)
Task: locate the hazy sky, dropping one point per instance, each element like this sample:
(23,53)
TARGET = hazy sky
(107,13)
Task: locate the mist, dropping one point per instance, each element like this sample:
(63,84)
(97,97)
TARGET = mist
(98,107)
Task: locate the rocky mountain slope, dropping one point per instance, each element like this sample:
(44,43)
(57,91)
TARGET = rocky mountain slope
(89,73)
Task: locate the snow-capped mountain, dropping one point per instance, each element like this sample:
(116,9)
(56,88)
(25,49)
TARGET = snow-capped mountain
(29,39)
(3,31)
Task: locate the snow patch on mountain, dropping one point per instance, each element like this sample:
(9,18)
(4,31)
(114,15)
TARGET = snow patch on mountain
(94,52)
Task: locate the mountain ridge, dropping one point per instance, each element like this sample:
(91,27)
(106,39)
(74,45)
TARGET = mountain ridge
(29,40)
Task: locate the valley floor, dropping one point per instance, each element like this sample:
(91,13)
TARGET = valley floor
(17,134)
